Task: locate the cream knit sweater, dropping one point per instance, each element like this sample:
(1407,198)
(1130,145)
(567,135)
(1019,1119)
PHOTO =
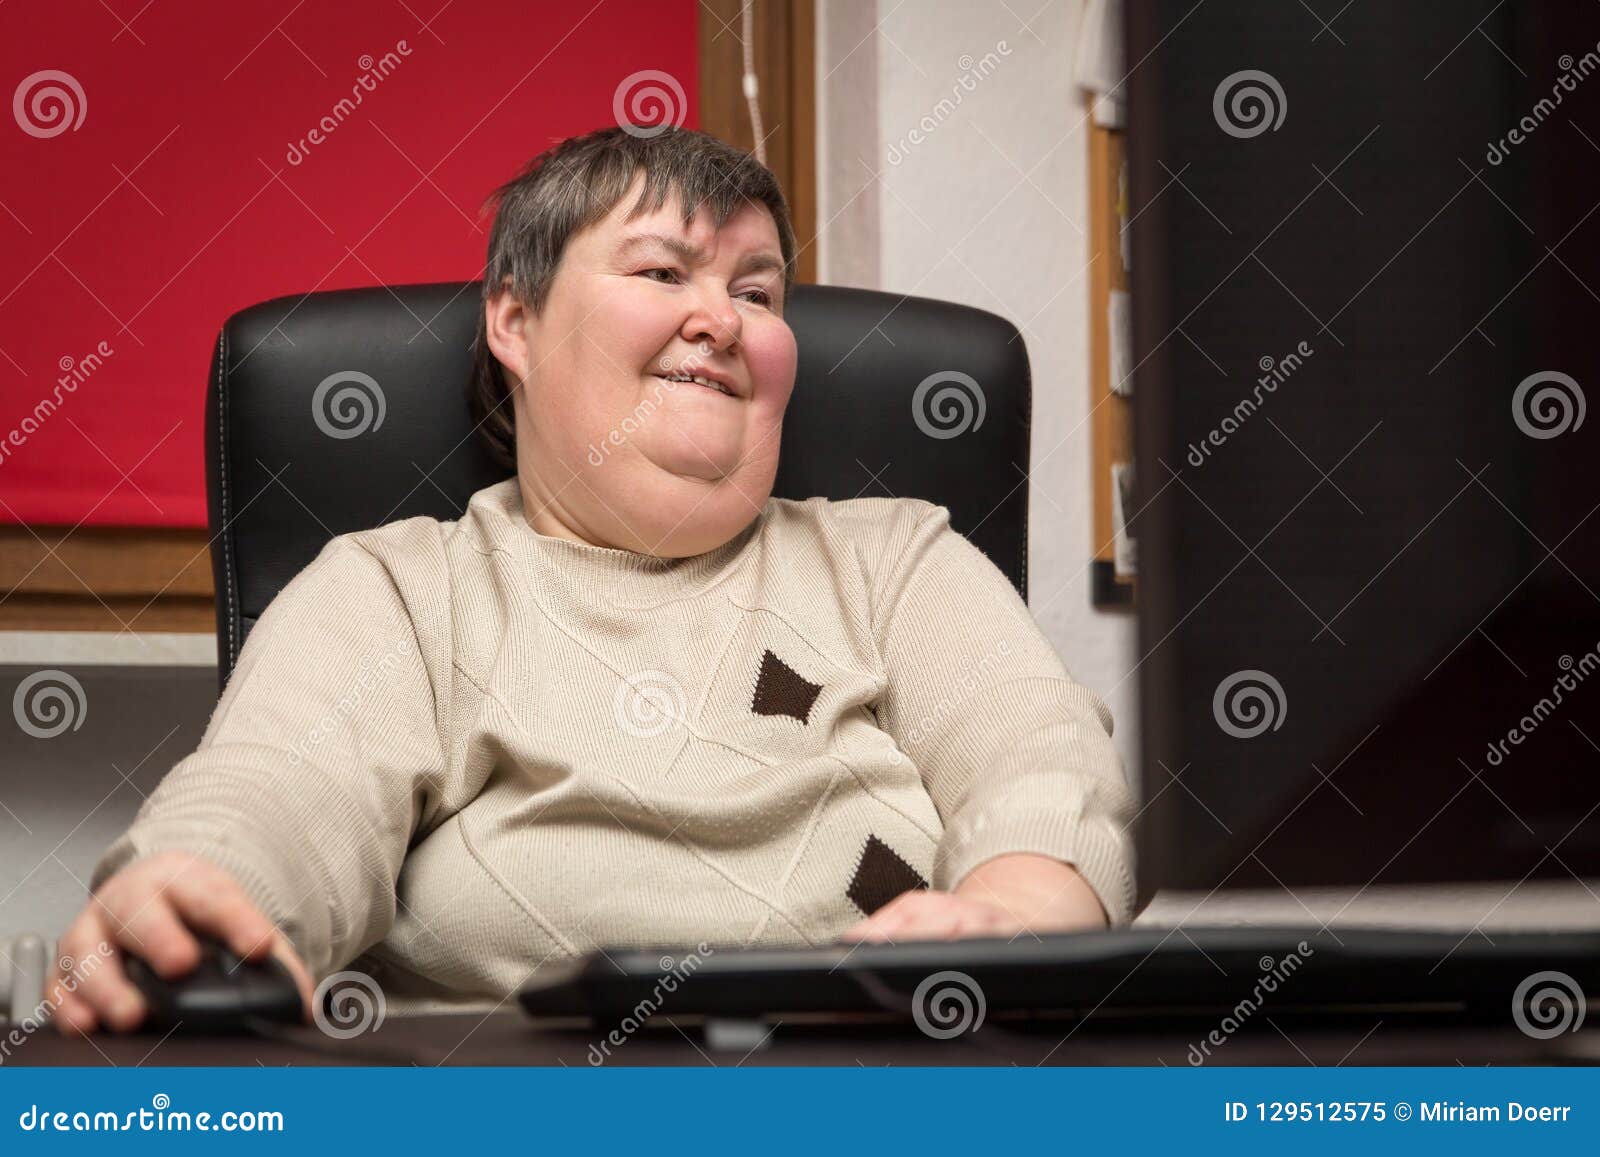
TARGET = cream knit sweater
(452,751)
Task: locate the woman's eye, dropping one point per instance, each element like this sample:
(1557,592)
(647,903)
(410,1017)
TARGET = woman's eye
(761,296)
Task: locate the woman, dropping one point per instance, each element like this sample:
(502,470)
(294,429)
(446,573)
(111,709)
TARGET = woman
(628,698)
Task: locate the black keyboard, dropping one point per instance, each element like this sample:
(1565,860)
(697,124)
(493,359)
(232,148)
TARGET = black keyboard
(1203,971)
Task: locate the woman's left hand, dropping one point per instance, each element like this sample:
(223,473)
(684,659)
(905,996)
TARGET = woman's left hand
(1005,896)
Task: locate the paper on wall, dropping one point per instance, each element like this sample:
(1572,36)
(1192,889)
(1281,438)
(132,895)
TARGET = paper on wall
(1119,329)
(1100,64)
(1125,547)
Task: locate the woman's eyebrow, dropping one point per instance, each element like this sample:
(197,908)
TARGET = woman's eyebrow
(691,254)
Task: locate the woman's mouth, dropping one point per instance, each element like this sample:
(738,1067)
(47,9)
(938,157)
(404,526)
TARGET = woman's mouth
(685,379)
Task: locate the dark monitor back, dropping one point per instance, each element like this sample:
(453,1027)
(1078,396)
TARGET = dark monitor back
(1370,563)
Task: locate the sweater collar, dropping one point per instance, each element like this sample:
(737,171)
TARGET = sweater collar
(625,576)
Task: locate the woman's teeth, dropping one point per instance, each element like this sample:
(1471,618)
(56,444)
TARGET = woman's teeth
(699,381)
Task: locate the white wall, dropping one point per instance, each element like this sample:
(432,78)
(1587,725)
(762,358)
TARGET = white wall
(990,209)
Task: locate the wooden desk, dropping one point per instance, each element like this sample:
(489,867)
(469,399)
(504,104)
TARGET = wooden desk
(507,1038)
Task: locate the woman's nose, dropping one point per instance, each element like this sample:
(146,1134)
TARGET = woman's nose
(713,319)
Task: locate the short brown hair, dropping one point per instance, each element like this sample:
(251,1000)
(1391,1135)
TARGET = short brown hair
(575,183)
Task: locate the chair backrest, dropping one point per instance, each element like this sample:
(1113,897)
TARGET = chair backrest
(343,410)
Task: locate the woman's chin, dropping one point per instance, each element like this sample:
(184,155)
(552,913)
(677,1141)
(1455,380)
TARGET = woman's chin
(707,451)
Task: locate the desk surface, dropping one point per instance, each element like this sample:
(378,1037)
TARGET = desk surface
(506,1037)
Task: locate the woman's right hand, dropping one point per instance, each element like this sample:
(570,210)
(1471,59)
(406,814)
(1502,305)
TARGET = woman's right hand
(149,908)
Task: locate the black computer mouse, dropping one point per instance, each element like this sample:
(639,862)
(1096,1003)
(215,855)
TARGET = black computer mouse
(219,995)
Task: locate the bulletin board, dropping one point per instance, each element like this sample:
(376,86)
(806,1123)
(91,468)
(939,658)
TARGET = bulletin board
(1113,565)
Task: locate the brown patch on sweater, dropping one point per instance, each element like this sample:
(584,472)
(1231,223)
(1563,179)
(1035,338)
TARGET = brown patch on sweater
(880,876)
(781,690)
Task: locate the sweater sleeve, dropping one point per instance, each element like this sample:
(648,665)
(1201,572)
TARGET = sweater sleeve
(1016,755)
(317,765)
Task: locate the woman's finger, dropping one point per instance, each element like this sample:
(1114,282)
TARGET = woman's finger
(284,951)
(156,933)
(889,921)
(894,924)
(934,923)
(212,902)
(870,929)
(72,1017)
(215,903)
(106,990)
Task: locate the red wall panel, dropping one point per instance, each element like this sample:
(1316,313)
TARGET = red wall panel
(188,186)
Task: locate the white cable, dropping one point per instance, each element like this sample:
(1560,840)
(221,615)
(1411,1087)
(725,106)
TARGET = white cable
(751,99)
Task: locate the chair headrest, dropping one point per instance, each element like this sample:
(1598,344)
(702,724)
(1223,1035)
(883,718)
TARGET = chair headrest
(894,396)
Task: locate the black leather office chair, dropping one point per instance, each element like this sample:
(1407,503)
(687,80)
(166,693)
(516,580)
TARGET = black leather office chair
(864,420)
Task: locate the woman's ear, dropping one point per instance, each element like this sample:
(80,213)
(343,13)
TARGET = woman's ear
(505,328)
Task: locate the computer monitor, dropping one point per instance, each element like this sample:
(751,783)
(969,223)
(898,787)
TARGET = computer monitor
(1366,300)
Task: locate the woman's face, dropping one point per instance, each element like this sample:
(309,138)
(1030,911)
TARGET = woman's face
(611,452)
